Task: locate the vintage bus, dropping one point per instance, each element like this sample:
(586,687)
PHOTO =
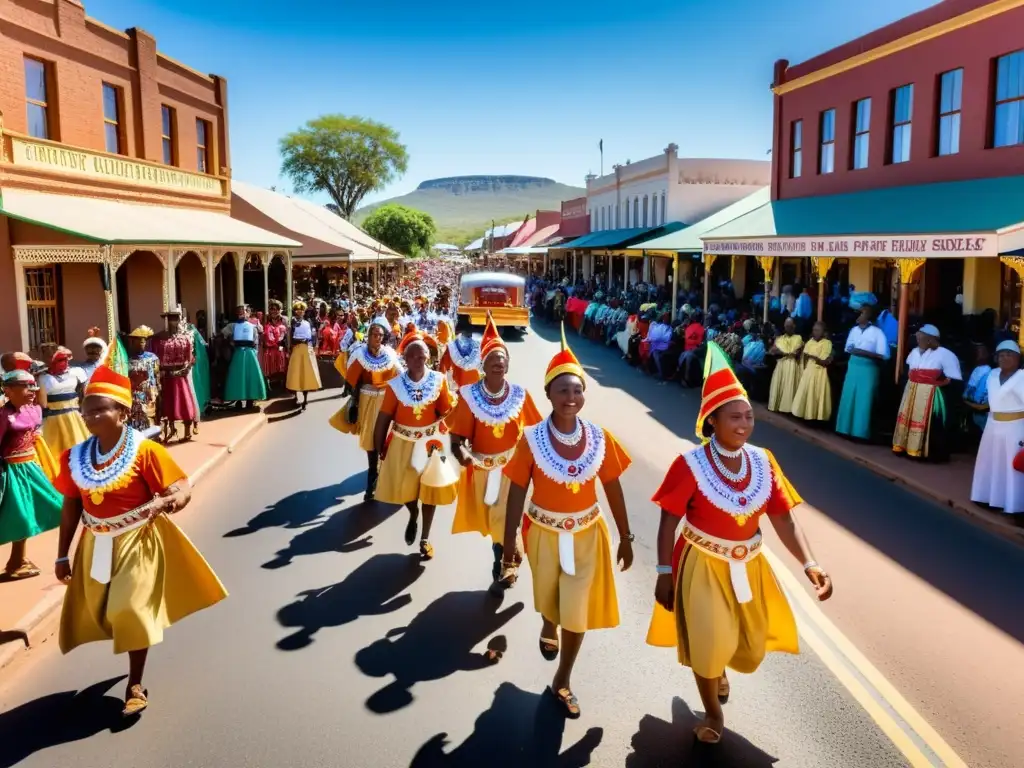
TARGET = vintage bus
(502,293)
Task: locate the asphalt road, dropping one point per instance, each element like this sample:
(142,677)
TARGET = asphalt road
(338,648)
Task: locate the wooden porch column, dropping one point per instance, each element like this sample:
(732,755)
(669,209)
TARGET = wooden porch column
(822,264)
(288,282)
(573,278)
(907,268)
(239,274)
(766,262)
(351,278)
(211,302)
(1016,263)
(675,284)
(266,258)
(709,261)
(170,280)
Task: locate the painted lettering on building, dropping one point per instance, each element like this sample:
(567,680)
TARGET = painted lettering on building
(928,246)
(94,165)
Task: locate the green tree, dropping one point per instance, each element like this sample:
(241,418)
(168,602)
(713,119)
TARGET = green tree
(346,157)
(401,228)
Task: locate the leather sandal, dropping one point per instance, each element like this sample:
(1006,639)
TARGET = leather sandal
(135,701)
(26,570)
(548,648)
(706,734)
(426,550)
(568,700)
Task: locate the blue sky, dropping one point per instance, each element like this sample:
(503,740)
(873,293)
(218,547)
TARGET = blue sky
(489,87)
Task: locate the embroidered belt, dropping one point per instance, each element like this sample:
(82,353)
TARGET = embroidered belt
(244,343)
(372,391)
(420,437)
(736,553)
(492,464)
(414,434)
(21,457)
(105,530)
(1008,416)
(66,407)
(566,526)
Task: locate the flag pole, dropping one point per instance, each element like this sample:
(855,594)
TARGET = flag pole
(600,147)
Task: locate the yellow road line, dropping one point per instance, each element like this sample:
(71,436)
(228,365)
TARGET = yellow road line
(816,629)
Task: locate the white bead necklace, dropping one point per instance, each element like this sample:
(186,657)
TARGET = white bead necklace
(569,439)
(723,451)
(494,395)
(103,458)
(733,477)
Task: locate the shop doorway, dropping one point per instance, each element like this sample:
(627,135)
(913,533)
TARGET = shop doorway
(140,292)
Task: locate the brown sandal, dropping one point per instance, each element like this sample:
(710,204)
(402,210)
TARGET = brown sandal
(135,701)
(706,734)
(493,656)
(426,550)
(26,570)
(568,700)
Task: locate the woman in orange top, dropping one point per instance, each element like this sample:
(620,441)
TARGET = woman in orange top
(714,573)
(370,367)
(488,421)
(135,572)
(412,470)
(567,540)
(460,362)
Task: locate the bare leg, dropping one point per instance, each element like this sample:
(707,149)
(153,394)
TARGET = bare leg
(714,718)
(19,555)
(136,666)
(570,649)
(428,519)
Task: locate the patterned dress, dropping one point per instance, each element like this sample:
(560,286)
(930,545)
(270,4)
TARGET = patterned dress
(143,371)
(176,355)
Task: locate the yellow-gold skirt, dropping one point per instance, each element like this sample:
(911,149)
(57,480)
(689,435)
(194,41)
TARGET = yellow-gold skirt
(577,603)
(711,630)
(158,578)
(63,431)
(303,374)
(399,482)
(369,409)
(472,514)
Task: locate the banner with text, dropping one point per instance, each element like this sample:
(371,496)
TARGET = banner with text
(934,246)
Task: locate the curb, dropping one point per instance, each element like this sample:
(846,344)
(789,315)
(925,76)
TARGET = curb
(976,515)
(51,601)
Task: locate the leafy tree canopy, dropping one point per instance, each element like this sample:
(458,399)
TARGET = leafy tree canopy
(401,228)
(346,157)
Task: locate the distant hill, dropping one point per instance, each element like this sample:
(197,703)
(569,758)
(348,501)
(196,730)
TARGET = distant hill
(463,206)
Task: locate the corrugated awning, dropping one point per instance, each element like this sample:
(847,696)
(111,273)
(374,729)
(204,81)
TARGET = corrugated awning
(619,238)
(113,222)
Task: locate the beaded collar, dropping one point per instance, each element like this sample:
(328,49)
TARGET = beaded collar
(572,474)
(469,360)
(494,415)
(740,504)
(417,394)
(384,360)
(98,482)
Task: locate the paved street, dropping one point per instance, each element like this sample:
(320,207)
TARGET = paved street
(337,647)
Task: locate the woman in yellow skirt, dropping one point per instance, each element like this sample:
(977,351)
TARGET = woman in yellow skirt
(716,599)
(59,391)
(303,373)
(565,534)
(135,572)
(786,377)
(415,469)
(813,400)
(370,367)
(488,421)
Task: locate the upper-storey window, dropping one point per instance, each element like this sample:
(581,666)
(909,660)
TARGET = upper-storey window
(168,127)
(902,110)
(37,98)
(827,151)
(796,160)
(951,85)
(1009,107)
(645,210)
(112,128)
(203,146)
(663,208)
(636,211)
(861,133)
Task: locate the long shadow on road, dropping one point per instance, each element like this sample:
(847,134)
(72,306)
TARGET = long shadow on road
(944,550)
(59,718)
(374,588)
(520,729)
(302,508)
(438,642)
(347,530)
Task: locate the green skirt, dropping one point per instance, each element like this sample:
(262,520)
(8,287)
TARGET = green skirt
(30,504)
(201,372)
(245,377)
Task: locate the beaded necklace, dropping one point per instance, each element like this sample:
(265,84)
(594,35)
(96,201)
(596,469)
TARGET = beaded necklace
(97,475)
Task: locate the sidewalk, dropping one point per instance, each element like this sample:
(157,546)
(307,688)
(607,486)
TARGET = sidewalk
(947,484)
(25,605)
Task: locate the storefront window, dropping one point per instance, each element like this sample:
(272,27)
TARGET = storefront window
(636,211)
(1009,120)
(662,207)
(951,87)
(861,133)
(827,153)
(41,302)
(645,211)
(902,109)
(796,162)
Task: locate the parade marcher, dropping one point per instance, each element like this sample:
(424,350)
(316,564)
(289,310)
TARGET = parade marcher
(370,367)
(349,338)
(413,469)
(995,481)
(143,370)
(95,348)
(566,538)
(59,391)
(175,351)
(867,347)
(460,362)
(488,421)
(29,504)
(303,373)
(135,572)
(273,355)
(925,410)
(245,384)
(786,376)
(813,400)
(716,599)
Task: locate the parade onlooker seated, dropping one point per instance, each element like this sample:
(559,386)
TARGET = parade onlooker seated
(659,337)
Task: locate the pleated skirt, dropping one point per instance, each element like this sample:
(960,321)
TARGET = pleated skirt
(30,504)
(399,482)
(303,374)
(245,377)
(813,400)
(63,431)
(785,380)
(369,409)
(472,514)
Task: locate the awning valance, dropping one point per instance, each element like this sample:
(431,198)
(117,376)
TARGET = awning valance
(113,222)
(610,239)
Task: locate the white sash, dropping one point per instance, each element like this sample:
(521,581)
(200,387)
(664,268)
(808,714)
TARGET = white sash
(736,553)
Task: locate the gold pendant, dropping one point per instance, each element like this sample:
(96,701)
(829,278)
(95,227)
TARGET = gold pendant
(742,520)
(574,487)
(96,497)
(498,430)
(417,411)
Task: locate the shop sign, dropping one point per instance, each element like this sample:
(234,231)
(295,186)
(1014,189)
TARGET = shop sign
(72,161)
(933,246)
(573,209)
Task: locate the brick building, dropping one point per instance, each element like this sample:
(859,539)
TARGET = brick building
(114,172)
(898,167)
